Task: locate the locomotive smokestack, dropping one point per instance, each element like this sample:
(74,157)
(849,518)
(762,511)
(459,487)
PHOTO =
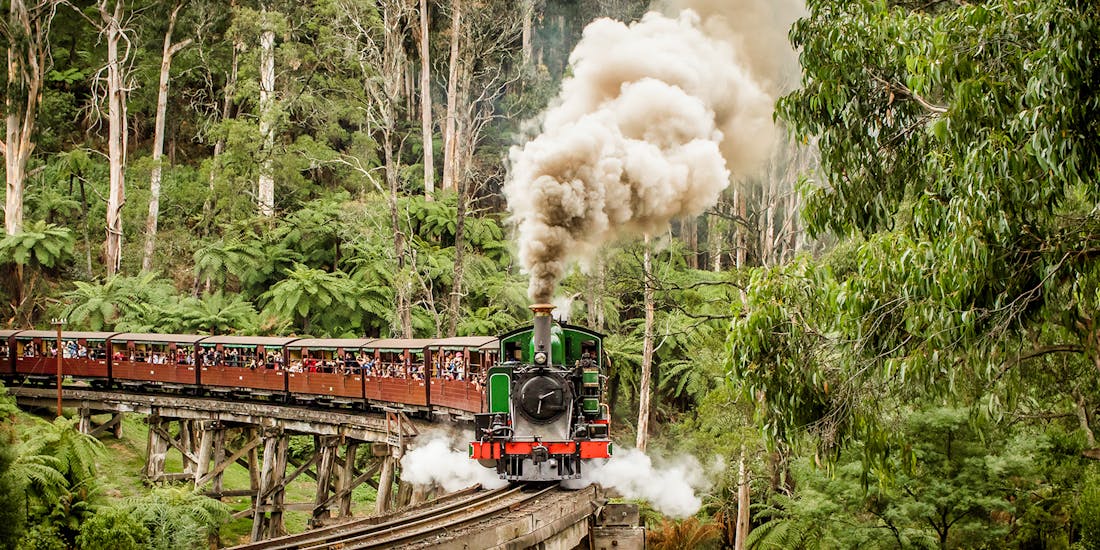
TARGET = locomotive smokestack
(542,329)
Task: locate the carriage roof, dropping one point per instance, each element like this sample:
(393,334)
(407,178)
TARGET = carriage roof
(331,343)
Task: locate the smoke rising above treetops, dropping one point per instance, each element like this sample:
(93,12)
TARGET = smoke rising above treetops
(656,119)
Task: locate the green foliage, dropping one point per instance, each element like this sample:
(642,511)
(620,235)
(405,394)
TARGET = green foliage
(214,261)
(176,517)
(129,301)
(793,523)
(217,314)
(43,536)
(306,293)
(56,464)
(12,513)
(112,528)
(957,166)
(40,244)
(1087,516)
(959,483)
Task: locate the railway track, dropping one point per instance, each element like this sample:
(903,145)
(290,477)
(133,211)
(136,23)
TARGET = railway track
(411,526)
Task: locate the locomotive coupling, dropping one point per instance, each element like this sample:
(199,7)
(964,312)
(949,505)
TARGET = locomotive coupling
(540,454)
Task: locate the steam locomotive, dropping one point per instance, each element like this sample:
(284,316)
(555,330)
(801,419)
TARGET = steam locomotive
(544,411)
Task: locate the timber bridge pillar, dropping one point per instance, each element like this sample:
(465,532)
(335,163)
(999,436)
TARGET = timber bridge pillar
(332,460)
(338,450)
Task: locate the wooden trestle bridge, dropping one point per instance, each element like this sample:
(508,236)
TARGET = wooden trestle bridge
(212,433)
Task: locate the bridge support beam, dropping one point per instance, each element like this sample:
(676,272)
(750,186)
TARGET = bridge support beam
(326,449)
(383,502)
(267,521)
(156,448)
(345,477)
(86,424)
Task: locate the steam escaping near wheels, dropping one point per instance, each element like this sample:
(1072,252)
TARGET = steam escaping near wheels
(435,459)
(655,119)
(672,489)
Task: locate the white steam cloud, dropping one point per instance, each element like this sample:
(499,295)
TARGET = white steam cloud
(436,460)
(672,490)
(654,120)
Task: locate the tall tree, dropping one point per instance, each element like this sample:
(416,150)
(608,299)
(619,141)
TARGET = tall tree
(644,388)
(376,33)
(450,138)
(223,116)
(482,71)
(958,152)
(265,191)
(169,50)
(111,25)
(27,36)
(426,103)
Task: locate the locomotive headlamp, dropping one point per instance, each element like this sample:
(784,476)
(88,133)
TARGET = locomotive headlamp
(540,358)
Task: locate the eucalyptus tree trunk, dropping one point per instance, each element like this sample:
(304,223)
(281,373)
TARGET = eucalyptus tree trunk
(28,56)
(741,207)
(168,51)
(265,191)
(689,229)
(393,65)
(647,348)
(741,529)
(450,140)
(767,230)
(714,242)
(401,286)
(219,146)
(426,103)
(116,140)
(460,260)
(528,16)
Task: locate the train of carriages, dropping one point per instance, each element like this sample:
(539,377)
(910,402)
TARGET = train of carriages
(535,393)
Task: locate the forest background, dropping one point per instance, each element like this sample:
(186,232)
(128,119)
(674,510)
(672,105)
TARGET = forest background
(889,333)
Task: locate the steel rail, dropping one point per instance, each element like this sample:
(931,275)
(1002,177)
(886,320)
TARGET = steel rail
(406,532)
(325,535)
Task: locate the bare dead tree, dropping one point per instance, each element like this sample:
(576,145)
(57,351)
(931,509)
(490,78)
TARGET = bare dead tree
(27,36)
(169,50)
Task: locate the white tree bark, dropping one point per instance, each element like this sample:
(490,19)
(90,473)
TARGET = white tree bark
(27,60)
(426,103)
(647,349)
(168,51)
(528,16)
(714,242)
(450,139)
(117,129)
(265,192)
(219,147)
(741,529)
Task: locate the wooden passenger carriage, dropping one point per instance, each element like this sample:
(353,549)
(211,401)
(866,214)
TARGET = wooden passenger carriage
(365,372)
(84,354)
(255,364)
(461,393)
(395,378)
(320,367)
(145,358)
